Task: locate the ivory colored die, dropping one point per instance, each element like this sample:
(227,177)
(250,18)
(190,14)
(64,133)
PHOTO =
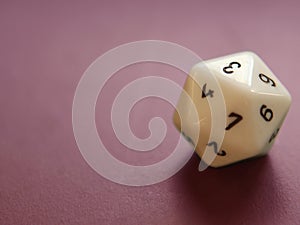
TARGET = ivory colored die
(256,106)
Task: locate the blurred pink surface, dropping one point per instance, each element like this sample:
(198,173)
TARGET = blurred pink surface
(46,47)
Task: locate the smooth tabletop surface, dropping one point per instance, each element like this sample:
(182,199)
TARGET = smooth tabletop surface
(46,46)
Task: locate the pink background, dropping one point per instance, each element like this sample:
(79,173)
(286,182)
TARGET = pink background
(45,47)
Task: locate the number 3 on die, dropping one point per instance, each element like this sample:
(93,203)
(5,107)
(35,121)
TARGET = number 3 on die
(231,67)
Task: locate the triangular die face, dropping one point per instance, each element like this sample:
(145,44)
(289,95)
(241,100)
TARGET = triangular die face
(268,112)
(264,81)
(237,67)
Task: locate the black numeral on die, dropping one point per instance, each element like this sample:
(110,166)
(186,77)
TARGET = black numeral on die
(230,69)
(188,138)
(266,113)
(215,148)
(266,79)
(238,119)
(274,135)
(209,93)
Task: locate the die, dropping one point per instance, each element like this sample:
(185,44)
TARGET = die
(256,104)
